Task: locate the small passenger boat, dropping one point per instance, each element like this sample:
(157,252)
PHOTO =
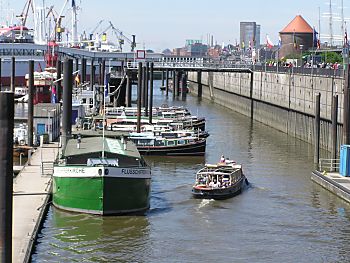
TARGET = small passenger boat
(219,181)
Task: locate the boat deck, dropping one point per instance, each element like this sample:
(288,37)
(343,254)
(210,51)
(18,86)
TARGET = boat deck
(31,192)
(333,182)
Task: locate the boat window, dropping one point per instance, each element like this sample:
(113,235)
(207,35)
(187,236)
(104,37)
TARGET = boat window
(159,143)
(170,143)
(181,142)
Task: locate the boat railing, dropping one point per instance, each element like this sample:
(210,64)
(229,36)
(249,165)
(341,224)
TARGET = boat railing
(329,165)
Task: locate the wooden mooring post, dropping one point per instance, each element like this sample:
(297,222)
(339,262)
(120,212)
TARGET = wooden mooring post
(151,92)
(199,82)
(139,96)
(67,101)
(6,174)
(167,82)
(31,102)
(59,83)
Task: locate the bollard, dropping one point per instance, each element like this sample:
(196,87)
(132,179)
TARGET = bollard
(317,130)
(151,93)
(30,102)
(334,126)
(67,101)
(139,95)
(167,82)
(13,74)
(6,174)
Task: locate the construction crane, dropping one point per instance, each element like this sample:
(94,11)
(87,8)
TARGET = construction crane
(120,36)
(24,15)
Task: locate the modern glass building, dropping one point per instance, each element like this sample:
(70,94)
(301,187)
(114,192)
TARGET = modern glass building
(249,34)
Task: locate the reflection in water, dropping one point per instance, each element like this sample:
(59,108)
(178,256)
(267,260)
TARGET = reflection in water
(81,237)
(283,217)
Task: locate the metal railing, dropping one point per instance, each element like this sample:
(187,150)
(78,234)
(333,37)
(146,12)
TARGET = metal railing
(329,165)
(47,168)
(200,64)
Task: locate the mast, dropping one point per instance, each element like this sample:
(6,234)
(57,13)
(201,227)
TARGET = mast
(330,23)
(342,18)
(74,24)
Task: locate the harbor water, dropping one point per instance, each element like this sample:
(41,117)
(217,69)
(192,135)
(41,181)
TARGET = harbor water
(282,217)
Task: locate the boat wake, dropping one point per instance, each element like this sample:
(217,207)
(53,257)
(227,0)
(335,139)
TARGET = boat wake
(205,202)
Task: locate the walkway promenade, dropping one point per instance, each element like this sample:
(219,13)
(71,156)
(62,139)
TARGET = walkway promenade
(31,192)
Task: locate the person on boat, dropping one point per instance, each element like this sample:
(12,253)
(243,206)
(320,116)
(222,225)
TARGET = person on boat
(222,159)
(212,184)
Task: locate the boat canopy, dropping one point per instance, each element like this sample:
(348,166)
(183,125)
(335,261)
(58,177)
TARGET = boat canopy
(102,161)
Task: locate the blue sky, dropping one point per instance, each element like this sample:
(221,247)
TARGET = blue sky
(167,24)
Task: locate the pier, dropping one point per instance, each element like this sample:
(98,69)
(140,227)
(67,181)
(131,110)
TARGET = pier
(31,195)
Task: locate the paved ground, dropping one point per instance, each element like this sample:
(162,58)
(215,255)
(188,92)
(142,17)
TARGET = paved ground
(30,192)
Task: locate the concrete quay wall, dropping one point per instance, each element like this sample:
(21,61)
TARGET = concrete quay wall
(283,101)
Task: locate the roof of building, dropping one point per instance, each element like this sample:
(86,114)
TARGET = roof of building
(298,25)
(95,144)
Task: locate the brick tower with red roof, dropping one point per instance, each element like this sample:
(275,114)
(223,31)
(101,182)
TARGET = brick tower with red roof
(296,37)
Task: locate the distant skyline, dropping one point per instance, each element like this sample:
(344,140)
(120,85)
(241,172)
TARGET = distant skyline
(161,24)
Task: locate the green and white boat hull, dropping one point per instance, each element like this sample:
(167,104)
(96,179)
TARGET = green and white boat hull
(102,190)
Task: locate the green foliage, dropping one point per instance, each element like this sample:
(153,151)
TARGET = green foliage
(331,57)
(293,56)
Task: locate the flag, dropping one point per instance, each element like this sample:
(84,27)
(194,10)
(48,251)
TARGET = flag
(346,42)
(279,42)
(315,38)
(269,43)
(77,80)
(106,85)
(295,41)
(73,3)
(53,95)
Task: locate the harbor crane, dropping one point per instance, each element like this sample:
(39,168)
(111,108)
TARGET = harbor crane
(24,15)
(57,20)
(121,37)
